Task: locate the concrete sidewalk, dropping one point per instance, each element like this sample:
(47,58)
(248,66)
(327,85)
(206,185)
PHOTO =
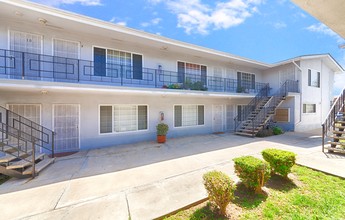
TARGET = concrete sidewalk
(145,180)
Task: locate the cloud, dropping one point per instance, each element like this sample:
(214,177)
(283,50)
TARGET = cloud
(152,22)
(69,2)
(117,21)
(196,17)
(279,25)
(323,29)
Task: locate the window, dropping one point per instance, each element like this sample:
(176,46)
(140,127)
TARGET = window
(188,115)
(241,109)
(309,108)
(66,49)
(282,115)
(245,80)
(123,118)
(25,42)
(108,62)
(313,78)
(191,71)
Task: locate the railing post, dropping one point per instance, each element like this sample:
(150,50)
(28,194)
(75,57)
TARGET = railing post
(33,159)
(23,65)
(78,70)
(121,74)
(155,78)
(53,144)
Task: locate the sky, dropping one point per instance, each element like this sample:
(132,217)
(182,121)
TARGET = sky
(264,30)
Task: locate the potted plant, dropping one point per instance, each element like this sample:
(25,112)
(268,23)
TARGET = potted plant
(162,130)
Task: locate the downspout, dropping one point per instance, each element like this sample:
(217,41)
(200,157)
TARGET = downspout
(300,96)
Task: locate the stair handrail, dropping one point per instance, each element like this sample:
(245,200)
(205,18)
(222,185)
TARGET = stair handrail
(19,139)
(251,105)
(288,86)
(329,121)
(21,121)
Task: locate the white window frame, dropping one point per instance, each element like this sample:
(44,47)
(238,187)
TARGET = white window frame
(309,113)
(236,110)
(190,126)
(247,73)
(311,72)
(40,111)
(185,62)
(109,48)
(79,48)
(113,132)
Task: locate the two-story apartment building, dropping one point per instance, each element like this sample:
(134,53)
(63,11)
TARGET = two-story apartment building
(99,84)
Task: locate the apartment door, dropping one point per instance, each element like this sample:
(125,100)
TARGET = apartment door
(31,112)
(218,118)
(66,126)
(230,117)
(31,45)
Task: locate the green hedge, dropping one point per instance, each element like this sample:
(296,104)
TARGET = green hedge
(253,172)
(277,130)
(220,189)
(281,161)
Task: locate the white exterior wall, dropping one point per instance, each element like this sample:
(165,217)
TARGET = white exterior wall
(312,95)
(90,136)
(151,57)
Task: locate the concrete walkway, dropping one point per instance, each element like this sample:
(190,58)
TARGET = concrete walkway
(145,180)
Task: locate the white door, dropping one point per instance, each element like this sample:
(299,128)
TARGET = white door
(218,118)
(31,112)
(230,117)
(31,45)
(66,127)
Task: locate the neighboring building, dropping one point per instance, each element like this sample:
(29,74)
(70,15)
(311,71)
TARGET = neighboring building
(98,84)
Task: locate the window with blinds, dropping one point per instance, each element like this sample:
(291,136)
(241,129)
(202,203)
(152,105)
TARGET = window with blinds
(188,115)
(123,118)
(309,108)
(66,49)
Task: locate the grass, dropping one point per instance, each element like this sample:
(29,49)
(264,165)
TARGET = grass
(307,195)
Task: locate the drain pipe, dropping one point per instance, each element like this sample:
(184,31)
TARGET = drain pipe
(300,94)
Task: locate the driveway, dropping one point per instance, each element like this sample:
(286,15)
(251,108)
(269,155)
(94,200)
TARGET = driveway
(145,180)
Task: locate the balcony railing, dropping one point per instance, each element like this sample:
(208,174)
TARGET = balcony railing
(29,66)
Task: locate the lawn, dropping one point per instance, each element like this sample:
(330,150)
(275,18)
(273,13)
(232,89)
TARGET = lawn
(307,195)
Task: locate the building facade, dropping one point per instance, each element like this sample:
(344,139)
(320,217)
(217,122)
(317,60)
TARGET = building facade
(97,84)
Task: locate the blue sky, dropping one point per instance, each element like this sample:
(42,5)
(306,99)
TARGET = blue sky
(263,30)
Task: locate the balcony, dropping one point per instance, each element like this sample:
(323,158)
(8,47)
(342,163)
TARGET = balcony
(29,66)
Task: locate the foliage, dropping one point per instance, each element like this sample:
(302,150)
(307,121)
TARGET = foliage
(281,161)
(240,89)
(162,129)
(175,86)
(198,85)
(310,195)
(277,130)
(253,172)
(220,189)
(265,132)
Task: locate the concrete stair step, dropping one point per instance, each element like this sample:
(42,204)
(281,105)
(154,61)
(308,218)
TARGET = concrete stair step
(243,133)
(336,143)
(10,157)
(338,132)
(39,166)
(337,137)
(24,163)
(329,148)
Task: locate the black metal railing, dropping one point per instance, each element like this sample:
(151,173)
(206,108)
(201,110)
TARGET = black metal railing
(268,110)
(329,124)
(252,105)
(27,130)
(30,66)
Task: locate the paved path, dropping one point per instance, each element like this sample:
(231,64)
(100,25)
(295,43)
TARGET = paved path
(145,180)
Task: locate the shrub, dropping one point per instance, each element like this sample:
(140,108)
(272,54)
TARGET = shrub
(277,130)
(265,133)
(162,129)
(253,172)
(220,189)
(281,161)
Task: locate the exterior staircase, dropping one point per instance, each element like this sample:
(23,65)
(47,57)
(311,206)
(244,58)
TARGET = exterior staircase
(333,128)
(261,113)
(26,148)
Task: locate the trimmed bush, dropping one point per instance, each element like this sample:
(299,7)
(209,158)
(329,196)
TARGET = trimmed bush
(220,189)
(253,172)
(281,161)
(277,130)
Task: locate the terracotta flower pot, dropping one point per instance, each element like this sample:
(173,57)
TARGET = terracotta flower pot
(161,138)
